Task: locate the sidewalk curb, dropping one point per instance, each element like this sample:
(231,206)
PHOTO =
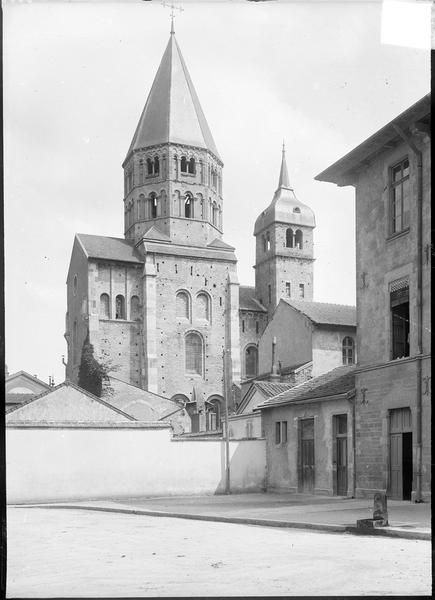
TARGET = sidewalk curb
(325,527)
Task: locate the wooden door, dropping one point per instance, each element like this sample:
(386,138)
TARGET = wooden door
(306,452)
(342,466)
(400,454)
(396,465)
(340,454)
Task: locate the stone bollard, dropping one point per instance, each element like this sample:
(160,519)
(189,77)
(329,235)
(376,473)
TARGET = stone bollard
(380,513)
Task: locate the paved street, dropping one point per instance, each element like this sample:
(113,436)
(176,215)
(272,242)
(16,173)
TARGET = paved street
(60,552)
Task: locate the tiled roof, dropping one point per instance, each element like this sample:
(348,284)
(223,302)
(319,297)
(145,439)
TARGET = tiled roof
(270,389)
(323,313)
(334,383)
(109,248)
(247,300)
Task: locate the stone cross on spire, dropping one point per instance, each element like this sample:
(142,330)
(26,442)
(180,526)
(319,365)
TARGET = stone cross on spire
(172,7)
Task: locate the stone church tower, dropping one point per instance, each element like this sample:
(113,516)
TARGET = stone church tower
(163,303)
(284,247)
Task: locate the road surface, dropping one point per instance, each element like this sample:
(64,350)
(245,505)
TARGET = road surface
(79,553)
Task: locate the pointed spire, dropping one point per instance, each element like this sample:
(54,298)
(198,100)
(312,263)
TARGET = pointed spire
(283,175)
(172,112)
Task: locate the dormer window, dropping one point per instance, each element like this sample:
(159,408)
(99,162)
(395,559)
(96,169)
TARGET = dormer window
(296,209)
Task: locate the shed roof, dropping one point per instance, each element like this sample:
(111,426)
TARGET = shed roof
(339,381)
(324,313)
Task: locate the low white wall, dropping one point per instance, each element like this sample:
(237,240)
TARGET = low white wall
(59,463)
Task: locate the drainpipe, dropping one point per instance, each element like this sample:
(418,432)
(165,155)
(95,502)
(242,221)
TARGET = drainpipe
(419,158)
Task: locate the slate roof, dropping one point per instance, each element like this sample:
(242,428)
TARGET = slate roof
(285,206)
(172,112)
(247,300)
(323,313)
(334,383)
(109,248)
(270,389)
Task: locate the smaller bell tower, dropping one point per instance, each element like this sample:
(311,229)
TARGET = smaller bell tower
(284,247)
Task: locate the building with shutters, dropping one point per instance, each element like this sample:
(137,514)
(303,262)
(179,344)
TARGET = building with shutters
(391,173)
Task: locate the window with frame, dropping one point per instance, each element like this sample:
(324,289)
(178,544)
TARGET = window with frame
(348,350)
(301,290)
(288,289)
(399,197)
(399,308)
(281,432)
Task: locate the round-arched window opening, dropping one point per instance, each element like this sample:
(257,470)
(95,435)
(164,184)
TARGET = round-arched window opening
(296,209)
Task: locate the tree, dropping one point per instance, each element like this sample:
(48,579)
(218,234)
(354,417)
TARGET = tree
(93,375)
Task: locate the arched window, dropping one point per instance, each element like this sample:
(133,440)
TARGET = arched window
(156,165)
(215,214)
(251,362)
(267,241)
(141,178)
(149,166)
(120,307)
(182,305)
(296,209)
(188,206)
(348,351)
(214,412)
(152,206)
(141,206)
(289,238)
(191,167)
(194,353)
(298,239)
(134,308)
(183,165)
(203,306)
(104,306)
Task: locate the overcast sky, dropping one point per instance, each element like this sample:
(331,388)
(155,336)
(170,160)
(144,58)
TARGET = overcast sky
(76,77)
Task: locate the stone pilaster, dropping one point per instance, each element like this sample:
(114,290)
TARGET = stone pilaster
(149,332)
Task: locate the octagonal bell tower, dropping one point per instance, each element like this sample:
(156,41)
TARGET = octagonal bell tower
(284,247)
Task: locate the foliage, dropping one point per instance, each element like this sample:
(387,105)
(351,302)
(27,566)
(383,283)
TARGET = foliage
(93,375)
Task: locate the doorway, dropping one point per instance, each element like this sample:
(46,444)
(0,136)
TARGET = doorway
(401,471)
(340,435)
(306,455)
